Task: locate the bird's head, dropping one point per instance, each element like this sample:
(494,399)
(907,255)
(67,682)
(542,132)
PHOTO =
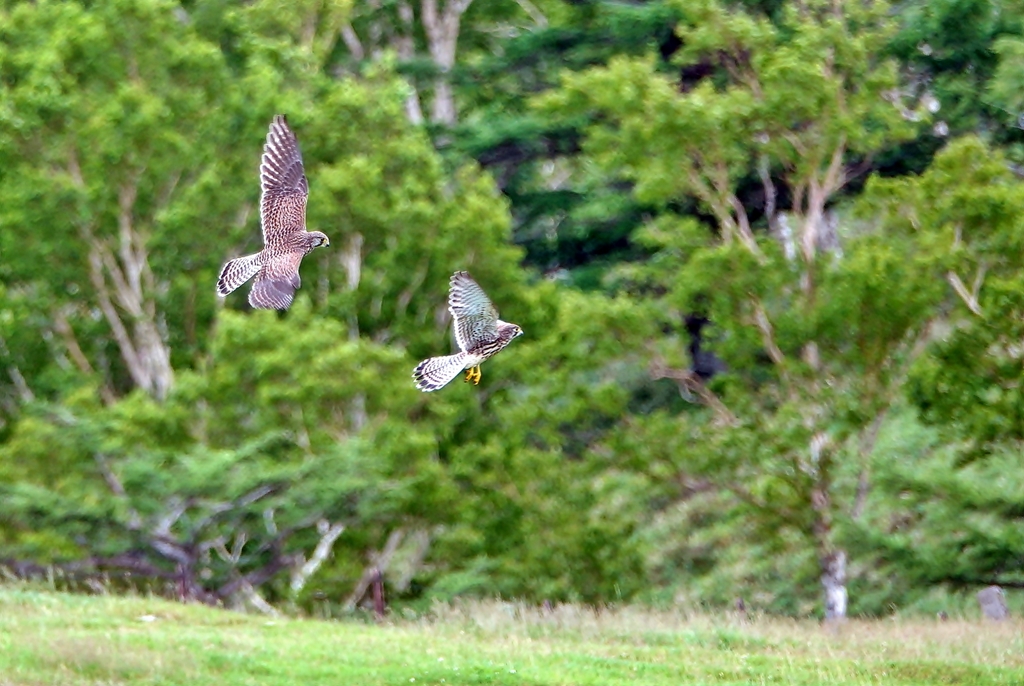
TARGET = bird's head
(318,239)
(509,330)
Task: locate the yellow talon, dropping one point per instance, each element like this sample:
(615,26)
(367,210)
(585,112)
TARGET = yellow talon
(473,374)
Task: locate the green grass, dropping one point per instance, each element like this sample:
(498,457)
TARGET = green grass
(53,638)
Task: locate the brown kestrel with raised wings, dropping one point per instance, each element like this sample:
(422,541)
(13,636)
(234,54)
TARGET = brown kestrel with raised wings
(283,217)
(478,331)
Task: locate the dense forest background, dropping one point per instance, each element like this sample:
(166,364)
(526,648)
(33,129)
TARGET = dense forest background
(767,256)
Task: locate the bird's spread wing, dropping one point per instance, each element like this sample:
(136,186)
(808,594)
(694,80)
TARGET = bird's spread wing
(475,316)
(276,283)
(283,183)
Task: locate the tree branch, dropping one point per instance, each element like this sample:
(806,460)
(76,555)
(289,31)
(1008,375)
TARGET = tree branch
(533,12)
(867,446)
(379,562)
(691,382)
(301,573)
(770,192)
(970,299)
(764,325)
(352,42)
(117,488)
(67,334)
(17,378)
(278,562)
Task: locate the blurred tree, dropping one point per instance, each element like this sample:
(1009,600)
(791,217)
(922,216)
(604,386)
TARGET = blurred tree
(933,521)
(572,219)
(960,504)
(243,471)
(547,510)
(709,147)
(813,327)
(951,48)
(170,482)
(115,126)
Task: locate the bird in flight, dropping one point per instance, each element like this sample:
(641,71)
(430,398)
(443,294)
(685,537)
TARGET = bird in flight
(478,331)
(283,216)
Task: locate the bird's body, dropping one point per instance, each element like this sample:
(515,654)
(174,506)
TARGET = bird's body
(286,241)
(478,331)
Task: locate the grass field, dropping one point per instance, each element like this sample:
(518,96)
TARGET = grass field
(53,638)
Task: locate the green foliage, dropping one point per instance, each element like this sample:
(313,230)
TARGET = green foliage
(815,343)
(968,207)
(1005,86)
(662,163)
(957,45)
(566,215)
(935,520)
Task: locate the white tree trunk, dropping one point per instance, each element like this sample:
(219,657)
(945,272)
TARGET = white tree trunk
(833,581)
(126,289)
(406,48)
(442,30)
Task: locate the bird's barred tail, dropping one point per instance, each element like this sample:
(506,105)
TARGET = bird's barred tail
(236,272)
(437,372)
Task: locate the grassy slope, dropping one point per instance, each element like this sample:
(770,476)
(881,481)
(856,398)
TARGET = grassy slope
(52,638)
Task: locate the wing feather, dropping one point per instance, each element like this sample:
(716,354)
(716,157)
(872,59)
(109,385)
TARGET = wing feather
(275,284)
(476,318)
(283,184)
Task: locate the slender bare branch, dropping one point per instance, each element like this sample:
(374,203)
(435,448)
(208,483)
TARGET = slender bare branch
(970,299)
(17,378)
(121,336)
(117,488)
(278,563)
(867,446)
(692,383)
(743,226)
(835,176)
(67,334)
(533,12)
(378,561)
(764,325)
(352,42)
(301,573)
(257,600)
(770,193)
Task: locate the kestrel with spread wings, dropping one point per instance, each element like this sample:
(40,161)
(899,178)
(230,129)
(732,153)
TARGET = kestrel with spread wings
(283,217)
(478,331)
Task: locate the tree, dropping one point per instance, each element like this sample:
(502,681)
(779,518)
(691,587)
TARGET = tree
(112,132)
(961,494)
(244,470)
(571,218)
(952,50)
(814,329)
(172,477)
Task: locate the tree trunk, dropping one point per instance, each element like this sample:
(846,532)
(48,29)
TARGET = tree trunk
(406,49)
(442,30)
(833,581)
(832,560)
(126,290)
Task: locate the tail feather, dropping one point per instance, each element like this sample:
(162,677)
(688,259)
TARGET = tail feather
(236,272)
(437,372)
